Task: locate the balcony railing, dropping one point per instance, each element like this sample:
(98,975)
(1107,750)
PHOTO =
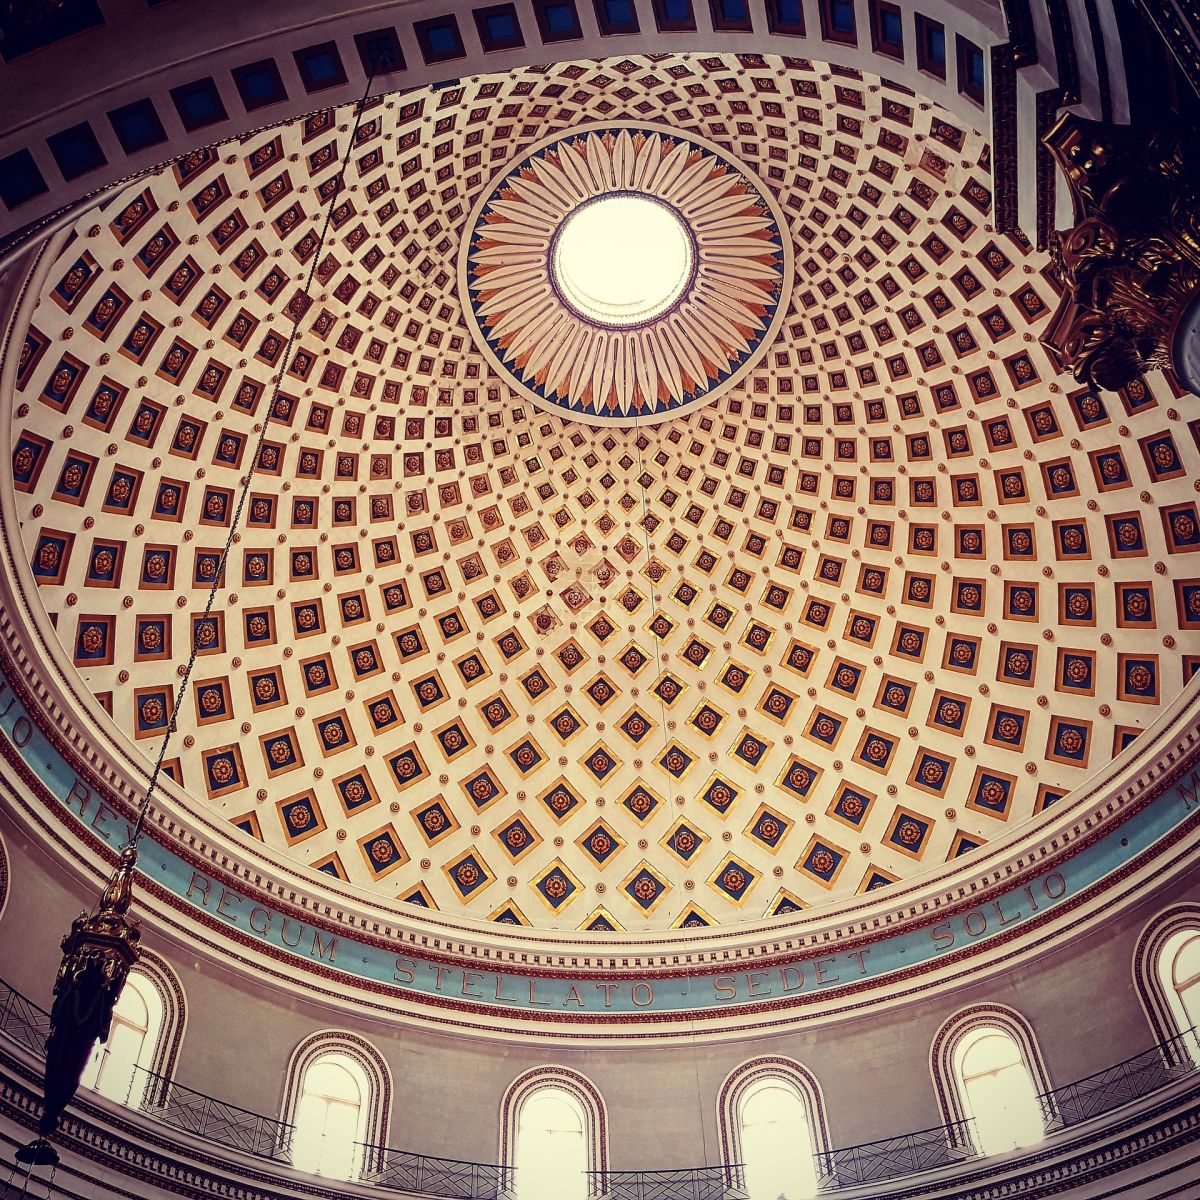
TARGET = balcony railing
(22,1020)
(252,1133)
(206,1117)
(696,1183)
(425,1175)
(890,1158)
(1117,1085)
(172,1103)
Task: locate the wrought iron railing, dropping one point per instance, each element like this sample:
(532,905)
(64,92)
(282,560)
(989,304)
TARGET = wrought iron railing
(427,1176)
(22,1020)
(889,1158)
(1117,1085)
(159,1097)
(226,1124)
(696,1183)
(206,1117)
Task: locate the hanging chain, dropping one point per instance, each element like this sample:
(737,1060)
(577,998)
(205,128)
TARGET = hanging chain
(230,538)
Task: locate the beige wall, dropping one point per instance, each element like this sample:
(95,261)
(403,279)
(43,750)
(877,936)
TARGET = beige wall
(1079,998)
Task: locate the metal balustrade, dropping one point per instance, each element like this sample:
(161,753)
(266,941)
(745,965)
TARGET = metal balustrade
(206,1117)
(429,1176)
(217,1121)
(163,1099)
(1132,1079)
(695,1183)
(890,1158)
(22,1020)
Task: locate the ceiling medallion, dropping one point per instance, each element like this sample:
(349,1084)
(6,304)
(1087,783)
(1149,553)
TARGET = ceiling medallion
(623,273)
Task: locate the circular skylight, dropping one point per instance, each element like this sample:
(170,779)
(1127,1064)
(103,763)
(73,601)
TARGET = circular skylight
(622,259)
(624,272)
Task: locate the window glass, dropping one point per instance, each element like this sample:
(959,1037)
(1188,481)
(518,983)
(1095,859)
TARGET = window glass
(999,1093)
(841,16)
(117,1066)
(975,67)
(619,12)
(552,1151)
(936,44)
(789,12)
(328,1121)
(777,1150)
(677,11)
(1185,978)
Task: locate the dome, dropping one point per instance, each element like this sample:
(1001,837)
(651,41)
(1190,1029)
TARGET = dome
(595,566)
(833,626)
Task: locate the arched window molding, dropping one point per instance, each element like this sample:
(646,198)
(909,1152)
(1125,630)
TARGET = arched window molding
(1152,956)
(159,1054)
(4,878)
(742,1081)
(158,972)
(581,1089)
(944,1054)
(377,1103)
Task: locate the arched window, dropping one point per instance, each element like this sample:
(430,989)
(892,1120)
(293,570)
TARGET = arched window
(1185,976)
(134,1066)
(553,1133)
(990,1080)
(336,1099)
(998,1091)
(551,1159)
(772,1120)
(3,877)
(1166,970)
(117,1066)
(329,1118)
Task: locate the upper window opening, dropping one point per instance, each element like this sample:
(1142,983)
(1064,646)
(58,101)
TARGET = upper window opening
(786,16)
(970,70)
(838,22)
(616,16)
(887,29)
(998,1091)
(931,46)
(330,1117)
(552,1153)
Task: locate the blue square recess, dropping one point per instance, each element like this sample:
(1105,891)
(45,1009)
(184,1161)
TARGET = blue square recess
(841,16)
(76,151)
(560,18)
(199,104)
(259,84)
(501,27)
(137,126)
(20,180)
(619,13)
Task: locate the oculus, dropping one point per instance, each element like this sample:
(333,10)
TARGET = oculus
(622,259)
(623,273)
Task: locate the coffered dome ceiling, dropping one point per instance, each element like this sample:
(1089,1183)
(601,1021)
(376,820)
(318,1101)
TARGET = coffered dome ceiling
(859,605)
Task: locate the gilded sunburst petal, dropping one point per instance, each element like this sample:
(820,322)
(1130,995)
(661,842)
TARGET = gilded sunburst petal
(724,297)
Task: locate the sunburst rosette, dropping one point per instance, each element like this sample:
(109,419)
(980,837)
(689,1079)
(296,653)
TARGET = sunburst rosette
(707,338)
